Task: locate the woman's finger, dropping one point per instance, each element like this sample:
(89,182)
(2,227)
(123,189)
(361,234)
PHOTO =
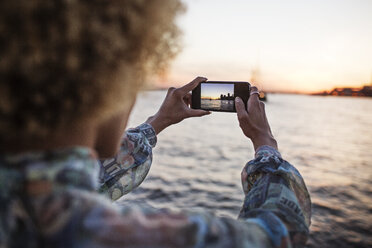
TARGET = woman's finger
(192,85)
(197,112)
(240,108)
(253,101)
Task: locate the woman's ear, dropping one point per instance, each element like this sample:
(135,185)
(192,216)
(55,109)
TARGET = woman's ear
(110,131)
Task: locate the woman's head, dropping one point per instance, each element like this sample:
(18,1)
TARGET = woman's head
(69,62)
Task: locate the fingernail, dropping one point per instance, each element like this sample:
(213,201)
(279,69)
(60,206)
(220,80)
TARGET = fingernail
(237,99)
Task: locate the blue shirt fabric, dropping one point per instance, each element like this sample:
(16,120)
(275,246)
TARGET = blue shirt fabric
(50,199)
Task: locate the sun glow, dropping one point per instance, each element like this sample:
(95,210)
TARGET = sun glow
(295,45)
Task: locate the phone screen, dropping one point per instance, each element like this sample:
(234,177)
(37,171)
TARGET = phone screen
(217,96)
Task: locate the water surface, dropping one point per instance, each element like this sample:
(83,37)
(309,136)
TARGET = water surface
(224,105)
(197,163)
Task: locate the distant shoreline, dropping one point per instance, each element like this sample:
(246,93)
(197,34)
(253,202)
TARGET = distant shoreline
(266,92)
(365,91)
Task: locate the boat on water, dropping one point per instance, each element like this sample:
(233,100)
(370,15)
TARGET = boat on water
(263,96)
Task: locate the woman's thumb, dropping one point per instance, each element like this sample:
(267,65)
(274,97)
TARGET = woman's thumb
(198,112)
(239,106)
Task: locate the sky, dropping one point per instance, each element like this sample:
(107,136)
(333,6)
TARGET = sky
(287,45)
(214,91)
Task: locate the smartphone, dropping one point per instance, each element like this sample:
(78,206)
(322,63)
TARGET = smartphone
(219,95)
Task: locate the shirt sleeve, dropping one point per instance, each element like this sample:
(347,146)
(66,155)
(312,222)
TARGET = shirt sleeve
(128,169)
(276,198)
(275,213)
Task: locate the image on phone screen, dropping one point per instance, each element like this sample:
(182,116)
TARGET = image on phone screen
(217,97)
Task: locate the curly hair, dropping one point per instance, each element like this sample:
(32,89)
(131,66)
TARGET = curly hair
(69,61)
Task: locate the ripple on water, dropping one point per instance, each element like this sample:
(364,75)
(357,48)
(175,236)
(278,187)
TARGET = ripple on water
(341,216)
(197,163)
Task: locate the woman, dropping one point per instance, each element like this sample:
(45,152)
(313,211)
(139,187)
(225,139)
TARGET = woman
(69,72)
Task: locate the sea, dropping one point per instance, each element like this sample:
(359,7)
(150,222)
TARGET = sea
(197,162)
(223,105)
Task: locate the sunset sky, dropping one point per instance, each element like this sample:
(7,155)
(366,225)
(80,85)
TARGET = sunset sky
(214,91)
(289,45)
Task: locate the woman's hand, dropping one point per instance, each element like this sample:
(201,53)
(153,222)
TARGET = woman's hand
(176,107)
(253,121)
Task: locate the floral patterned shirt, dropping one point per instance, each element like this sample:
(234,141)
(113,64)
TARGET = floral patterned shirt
(50,199)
